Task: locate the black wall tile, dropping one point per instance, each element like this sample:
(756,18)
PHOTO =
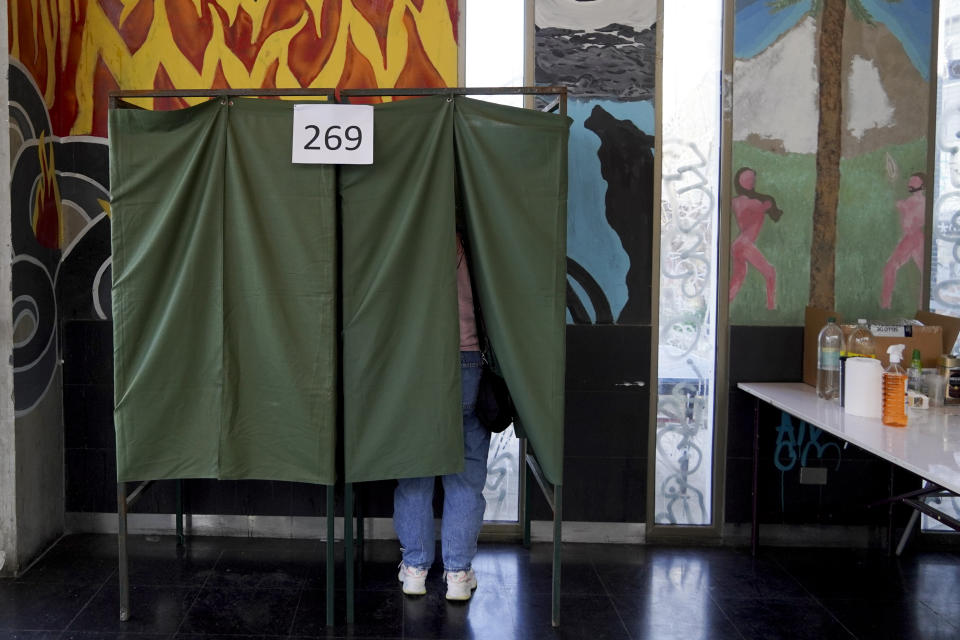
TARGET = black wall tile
(213,496)
(88,416)
(852,485)
(308,499)
(265,498)
(159,497)
(91,480)
(738,491)
(740,420)
(607,357)
(599,490)
(765,354)
(605,489)
(376,498)
(88,352)
(614,423)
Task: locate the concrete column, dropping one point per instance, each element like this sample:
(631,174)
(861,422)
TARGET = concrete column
(9,561)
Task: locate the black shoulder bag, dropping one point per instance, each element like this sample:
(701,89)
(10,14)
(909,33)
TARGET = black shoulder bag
(495,408)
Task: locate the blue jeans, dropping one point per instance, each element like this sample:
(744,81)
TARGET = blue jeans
(463,502)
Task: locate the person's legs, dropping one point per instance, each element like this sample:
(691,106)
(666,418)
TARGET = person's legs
(413,520)
(463,503)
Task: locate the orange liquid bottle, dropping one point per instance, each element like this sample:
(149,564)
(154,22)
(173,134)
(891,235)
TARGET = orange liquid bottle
(895,389)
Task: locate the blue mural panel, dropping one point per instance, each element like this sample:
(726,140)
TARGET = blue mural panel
(605,56)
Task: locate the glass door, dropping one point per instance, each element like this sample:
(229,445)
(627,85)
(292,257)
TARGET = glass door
(689,90)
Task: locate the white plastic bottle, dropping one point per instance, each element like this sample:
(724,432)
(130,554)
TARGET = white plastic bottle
(829,348)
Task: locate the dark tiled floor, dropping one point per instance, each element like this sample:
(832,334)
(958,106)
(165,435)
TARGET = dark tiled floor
(220,588)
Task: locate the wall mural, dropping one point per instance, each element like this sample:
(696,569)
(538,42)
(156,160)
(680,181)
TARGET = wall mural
(605,54)
(881,89)
(60,233)
(750,210)
(167,44)
(59,175)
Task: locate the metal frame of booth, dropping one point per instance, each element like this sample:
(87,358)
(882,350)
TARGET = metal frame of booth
(551,492)
(124,500)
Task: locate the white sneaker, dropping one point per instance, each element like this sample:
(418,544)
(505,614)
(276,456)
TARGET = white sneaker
(414,580)
(460,584)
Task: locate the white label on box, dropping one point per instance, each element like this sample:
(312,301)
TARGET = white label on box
(332,134)
(888,330)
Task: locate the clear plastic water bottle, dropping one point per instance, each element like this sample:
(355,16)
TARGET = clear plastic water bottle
(861,342)
(829,348)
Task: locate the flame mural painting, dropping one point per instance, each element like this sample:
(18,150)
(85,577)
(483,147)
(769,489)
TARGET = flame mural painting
(68,55)
(77,51)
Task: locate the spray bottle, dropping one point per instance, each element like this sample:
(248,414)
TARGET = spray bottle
(895,389)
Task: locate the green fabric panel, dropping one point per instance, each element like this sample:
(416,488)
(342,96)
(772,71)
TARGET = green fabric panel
(166,173)
(512,166)
(223,295)
(401,333)
(279,303)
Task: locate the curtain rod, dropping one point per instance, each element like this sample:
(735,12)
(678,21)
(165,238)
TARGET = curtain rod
(561,92)
(115,96)
(553,90)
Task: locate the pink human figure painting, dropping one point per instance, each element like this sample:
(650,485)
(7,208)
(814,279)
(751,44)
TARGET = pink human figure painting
(750,209)
(910,246)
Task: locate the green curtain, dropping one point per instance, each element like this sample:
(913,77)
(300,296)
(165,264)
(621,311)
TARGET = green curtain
(512,166)
(224,259)
(401,333)
(224,268)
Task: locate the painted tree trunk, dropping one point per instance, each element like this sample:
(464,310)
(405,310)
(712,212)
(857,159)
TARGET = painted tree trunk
(823,244)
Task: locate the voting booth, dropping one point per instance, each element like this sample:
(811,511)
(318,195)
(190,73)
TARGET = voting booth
(254,291)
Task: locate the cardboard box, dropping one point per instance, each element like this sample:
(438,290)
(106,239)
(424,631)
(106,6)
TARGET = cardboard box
(934,338)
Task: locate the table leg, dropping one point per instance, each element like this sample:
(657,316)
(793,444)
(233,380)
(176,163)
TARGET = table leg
(906,532)
(755,487)
(890,514)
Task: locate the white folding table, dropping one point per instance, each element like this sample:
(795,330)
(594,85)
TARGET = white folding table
(929,446)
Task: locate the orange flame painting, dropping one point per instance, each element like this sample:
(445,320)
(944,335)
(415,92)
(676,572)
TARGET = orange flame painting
(79,50)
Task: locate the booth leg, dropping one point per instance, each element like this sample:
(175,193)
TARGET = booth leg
(348,544)
(557,547)
(359,517)
(180,538)
(123,572)
(331,559)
